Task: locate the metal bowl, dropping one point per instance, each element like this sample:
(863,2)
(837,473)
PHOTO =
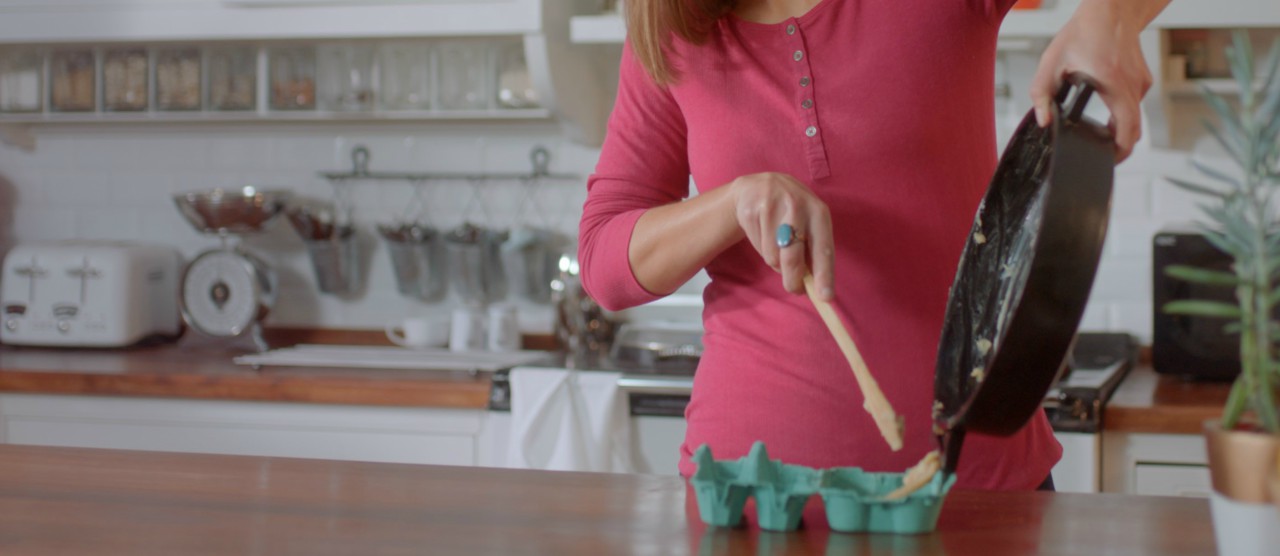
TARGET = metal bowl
(231,211)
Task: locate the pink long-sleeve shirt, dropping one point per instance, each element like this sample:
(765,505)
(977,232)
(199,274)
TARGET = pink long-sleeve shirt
(885,110)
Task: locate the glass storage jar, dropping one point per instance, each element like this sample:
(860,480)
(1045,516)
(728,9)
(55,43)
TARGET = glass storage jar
(293,78)
(124,79)
(233,77)
(345,76)
(178,78)
(514,86)
(404,71)
(72,80)
(21,80)
(464,74)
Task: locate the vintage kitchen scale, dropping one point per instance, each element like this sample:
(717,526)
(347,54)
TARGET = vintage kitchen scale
(227,291)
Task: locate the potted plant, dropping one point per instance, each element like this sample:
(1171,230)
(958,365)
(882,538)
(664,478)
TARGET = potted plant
(1242,220)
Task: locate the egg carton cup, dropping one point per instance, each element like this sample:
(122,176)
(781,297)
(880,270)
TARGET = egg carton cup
(854,499)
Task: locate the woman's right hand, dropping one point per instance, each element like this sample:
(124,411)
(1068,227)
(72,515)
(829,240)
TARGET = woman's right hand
(767,200)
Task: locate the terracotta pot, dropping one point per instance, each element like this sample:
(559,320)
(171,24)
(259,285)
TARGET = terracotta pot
(1027,5)
(1241,463)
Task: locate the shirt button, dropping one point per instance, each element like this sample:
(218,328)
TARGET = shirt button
(807,104)
(799,55)
(791,29)
(804,81)
(811,131)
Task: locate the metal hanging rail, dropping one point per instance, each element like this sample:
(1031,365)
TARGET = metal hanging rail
(540,157)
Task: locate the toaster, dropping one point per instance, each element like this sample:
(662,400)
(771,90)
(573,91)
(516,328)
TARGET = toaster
(89,293)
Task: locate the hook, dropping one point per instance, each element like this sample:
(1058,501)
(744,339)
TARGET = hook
(360,160)
(541,159)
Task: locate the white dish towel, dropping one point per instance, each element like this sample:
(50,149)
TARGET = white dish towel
(567,420)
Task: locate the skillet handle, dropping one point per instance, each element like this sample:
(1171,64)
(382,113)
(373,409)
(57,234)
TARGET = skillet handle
(1073,105)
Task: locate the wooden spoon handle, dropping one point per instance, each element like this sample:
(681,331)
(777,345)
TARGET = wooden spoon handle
(874,402)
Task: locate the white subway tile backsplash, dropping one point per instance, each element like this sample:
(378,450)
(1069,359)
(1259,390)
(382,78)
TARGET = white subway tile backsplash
(1097,317)
(460,153)
(239,154)
(1130,238)
(1131,196)
(1133,317)
(118,184)
(133,189)
(118,224)
(1122,279)
(37,223)
(169,152)
(75,189)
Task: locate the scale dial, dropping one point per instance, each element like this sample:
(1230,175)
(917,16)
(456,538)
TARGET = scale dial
(225,292)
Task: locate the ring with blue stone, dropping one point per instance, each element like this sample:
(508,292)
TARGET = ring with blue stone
(787,236)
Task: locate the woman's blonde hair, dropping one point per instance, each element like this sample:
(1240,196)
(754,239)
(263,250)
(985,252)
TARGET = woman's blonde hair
(651,24)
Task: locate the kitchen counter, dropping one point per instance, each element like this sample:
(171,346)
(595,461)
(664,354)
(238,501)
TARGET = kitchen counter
(173,371)
(1147,402)
(84,501)
(1144,402)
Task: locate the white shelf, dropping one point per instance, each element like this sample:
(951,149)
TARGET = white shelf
(1191,87)
(278,116)
(597,29)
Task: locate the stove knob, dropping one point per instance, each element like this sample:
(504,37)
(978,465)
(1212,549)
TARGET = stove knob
(64,326)
(11,325)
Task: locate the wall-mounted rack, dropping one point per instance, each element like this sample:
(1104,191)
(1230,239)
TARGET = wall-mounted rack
(540,158)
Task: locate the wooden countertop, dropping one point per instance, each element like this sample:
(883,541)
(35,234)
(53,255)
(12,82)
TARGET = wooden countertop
(1148,402)
(174,371)
(1145,402)
(85,501)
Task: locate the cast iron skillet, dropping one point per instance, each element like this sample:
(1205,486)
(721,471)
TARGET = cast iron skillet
(1024,275)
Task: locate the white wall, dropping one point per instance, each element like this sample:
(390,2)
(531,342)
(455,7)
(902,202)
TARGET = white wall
(111,182)
(114,183)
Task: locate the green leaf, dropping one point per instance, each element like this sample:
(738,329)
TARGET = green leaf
(1202,308)
(1234,127)
(1196,188)
(1273,297)
(1264,406)
(1226,145)
(1233,328)
(1215,173)
(1222,242)
(1202,276)
(1240,54)
(1235,406)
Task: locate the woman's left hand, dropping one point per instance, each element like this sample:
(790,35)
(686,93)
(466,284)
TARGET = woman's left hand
(1101,41)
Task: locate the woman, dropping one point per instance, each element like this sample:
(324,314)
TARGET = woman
(848,138)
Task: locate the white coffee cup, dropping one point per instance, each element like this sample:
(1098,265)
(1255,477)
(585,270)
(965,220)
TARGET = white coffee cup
(504,328)
(419,332)
(466,331)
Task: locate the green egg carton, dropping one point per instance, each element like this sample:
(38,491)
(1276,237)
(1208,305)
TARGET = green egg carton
(780,490)
(854,498)
(855,502)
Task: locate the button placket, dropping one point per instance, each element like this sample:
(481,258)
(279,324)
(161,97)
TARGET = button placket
(805,102)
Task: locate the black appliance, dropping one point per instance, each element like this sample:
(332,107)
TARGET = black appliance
(1190,346)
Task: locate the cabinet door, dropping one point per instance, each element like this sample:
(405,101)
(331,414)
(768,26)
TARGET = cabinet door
(357,433)
(1157,479)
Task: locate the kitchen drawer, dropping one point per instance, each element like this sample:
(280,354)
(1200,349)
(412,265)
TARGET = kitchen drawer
(340,432)
(1163,479)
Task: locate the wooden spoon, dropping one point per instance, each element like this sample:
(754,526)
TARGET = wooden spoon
(874,402)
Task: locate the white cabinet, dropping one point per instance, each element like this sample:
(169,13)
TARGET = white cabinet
(1165,479)
(340,432)
(1155,464)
